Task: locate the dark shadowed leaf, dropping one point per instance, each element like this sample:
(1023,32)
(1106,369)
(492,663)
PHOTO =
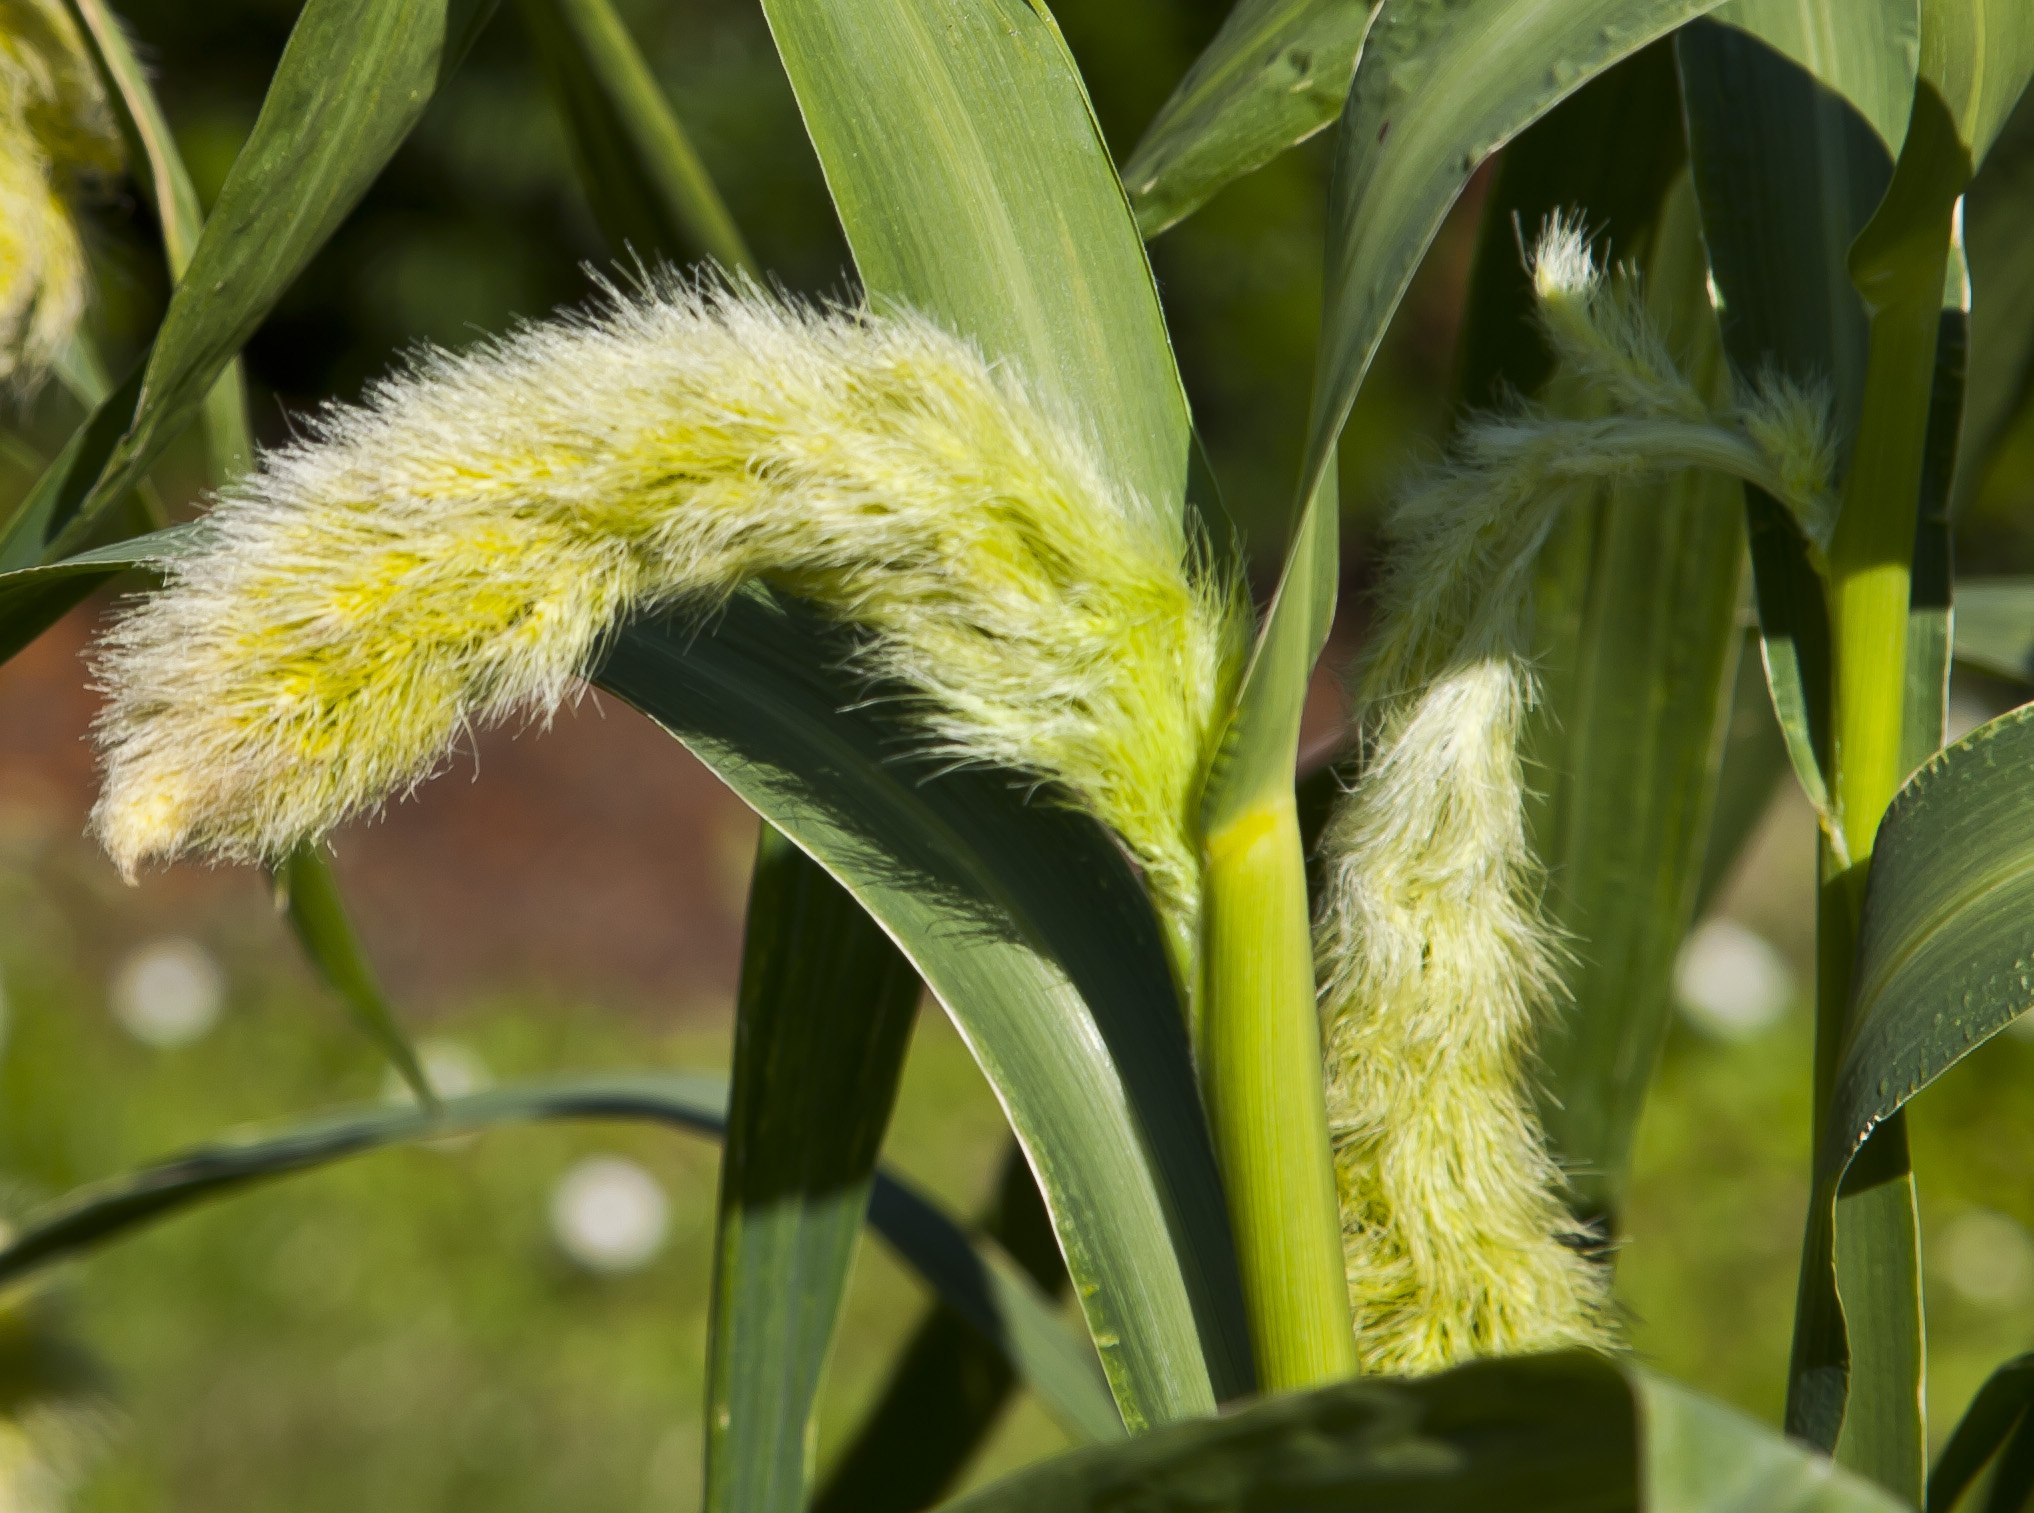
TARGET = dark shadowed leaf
(1556,1434)
(649,191)
(1030,927)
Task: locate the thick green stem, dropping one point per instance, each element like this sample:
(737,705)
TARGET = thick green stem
(1261,1077)
(1871,567)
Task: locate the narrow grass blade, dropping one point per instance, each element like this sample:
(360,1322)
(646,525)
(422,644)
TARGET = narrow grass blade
(1276,73)
(1994,1416)
(153,151)
(309,895)
(1556,1433)
(34,598)
(984,1287)
(647,186)
(949,1386)
(352,81)
(1029,926)
(974,185)
(821,1026)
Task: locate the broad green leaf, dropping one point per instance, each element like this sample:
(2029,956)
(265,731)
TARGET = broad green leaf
(1995,1416)
(1944,957)
(1638,676)
(981,1283)
(1555,1434)
(1276,73)
(352,81)
(2012,1482)
(1942,965)
(1703,1457)
(973,184)
(1867,51)
(948,1388)
(309,895)
(1978,55)
(1994,626)
(648,188)
(1999,225)
(1028,925)
(822,1022)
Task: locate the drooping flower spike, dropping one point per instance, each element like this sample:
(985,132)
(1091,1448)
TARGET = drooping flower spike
(56,134)
(453,553)
(1436,962)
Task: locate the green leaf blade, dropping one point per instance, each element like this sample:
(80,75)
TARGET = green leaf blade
(973,185)
(822,1021)
(1277,72)
(1031,930)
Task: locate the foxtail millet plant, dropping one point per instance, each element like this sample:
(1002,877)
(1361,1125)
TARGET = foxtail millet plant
(455,552)
(57,134)
(1435,958)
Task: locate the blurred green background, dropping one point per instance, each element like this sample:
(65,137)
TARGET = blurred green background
(441,1328)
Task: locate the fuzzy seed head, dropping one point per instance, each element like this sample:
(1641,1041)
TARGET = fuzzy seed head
(453,553)
(56,136)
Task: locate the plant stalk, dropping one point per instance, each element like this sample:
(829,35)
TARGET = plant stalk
(1261,1078)
(1855,1384)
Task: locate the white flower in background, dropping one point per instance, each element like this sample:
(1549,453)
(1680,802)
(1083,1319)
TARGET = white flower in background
(610,1215)
(169,992)
(1730,981)
(1988,1258)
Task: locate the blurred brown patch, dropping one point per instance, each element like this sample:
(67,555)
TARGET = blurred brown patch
(595,857)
